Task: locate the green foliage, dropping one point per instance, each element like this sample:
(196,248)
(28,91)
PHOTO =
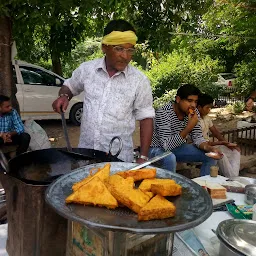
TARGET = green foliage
(165,98)
(246,77)
(54,29)
(236,22)
(156,20)
(177,68)
(236,108)
(87,50)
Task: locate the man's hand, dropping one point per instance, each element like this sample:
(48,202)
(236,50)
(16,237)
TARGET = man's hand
(6,137)
(60,104)
(140,161)
(216,150)
(233,146)
(192,120)
(214,153)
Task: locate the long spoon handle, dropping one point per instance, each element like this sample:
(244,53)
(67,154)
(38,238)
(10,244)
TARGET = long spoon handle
(152,160)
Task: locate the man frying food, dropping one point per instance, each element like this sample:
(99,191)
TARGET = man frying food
(115,95)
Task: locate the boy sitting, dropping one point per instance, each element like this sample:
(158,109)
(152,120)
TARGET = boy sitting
(11,127)
(173,123)
(229,165)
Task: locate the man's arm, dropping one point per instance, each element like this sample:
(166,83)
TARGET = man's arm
(17,124)
(144,113)
(146,132)
(192,122)
(222,140)
(72,86)
(64,90)
(168,133)
(61,103)
(215,132)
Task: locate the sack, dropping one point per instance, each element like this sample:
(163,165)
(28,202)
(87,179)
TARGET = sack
(39,138)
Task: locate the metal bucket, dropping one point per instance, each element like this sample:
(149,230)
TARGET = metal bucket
(33,227)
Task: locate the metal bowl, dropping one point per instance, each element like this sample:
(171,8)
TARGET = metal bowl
(250,194)
(237,237)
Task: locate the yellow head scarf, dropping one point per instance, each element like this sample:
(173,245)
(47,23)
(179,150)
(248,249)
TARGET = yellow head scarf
(119,37)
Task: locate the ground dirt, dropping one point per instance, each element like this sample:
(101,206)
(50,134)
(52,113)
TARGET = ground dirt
(222,119)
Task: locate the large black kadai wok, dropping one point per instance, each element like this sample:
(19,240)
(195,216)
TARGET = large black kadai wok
(33,227)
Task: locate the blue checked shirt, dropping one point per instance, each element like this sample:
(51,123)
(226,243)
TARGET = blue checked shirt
(11,122)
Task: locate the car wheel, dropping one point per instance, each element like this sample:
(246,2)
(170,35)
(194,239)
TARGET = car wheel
(76,113)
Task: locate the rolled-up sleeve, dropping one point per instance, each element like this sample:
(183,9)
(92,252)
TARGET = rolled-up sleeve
(143,104)
(17,123)
(76,83)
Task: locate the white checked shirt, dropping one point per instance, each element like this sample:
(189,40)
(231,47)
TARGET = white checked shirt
(111,105)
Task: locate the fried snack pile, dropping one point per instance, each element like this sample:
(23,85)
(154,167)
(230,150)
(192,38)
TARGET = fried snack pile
(118,190)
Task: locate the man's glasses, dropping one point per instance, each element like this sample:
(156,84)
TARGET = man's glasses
(120,49)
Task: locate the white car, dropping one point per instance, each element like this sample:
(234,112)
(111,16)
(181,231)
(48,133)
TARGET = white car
(37,88)
(226,81)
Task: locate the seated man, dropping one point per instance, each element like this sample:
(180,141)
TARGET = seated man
(230,163)
(11,127)
(173,123)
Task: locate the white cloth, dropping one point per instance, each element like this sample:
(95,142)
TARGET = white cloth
(111,105)
(229,165)
(206,123)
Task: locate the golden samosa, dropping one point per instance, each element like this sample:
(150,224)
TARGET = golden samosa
(93,192)
(102,173)
(157,208)
(121,189)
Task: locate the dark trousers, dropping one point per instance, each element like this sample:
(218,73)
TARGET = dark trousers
(22,140)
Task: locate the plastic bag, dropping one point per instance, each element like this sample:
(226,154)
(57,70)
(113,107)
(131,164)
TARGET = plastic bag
(230,163)
(39,138)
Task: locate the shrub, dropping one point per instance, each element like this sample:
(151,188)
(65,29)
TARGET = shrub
(88,50)
(246,77)
(177,68)
(164,99)
(236,108)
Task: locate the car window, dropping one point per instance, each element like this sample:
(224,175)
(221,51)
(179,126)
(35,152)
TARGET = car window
(38,77)
(228,76)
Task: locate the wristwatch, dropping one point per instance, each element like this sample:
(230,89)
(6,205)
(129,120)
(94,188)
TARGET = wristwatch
(64,95)
(143,157)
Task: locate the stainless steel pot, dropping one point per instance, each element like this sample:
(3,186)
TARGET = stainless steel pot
(237,237)
(250,194)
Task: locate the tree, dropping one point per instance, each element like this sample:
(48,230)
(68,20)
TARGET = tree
(7,85)
(234,24)
(156,20)
(59,23)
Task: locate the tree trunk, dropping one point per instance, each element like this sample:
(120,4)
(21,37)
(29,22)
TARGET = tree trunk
(56,63)
(55,55)
(7,85)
